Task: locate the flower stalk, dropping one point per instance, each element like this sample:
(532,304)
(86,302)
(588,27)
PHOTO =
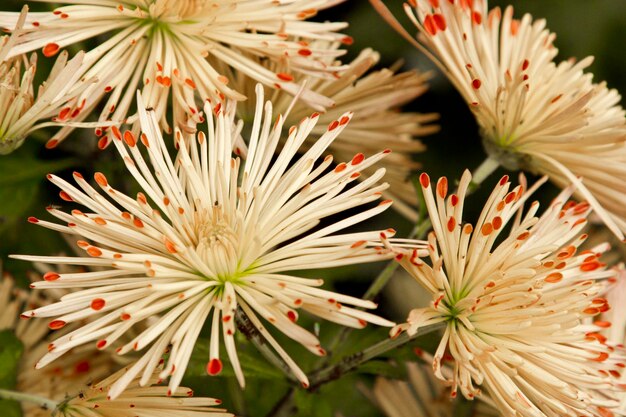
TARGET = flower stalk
(333,372)
(43,402)
(349,363)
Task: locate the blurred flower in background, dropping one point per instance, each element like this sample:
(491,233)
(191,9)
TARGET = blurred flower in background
(423,395)
(169,49)
(23,110)
(140,399)
(375,98)
(70,374)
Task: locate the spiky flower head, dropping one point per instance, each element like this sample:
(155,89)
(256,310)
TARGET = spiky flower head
(210,234)
(170,49)
(23,110)
(534,114)
(70,374)
(513,305)
(375,98)
(139,400)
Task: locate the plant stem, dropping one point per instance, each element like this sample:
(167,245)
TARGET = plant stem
(44,403)
(349,363)
(246,327)
(484,170)
(284,406)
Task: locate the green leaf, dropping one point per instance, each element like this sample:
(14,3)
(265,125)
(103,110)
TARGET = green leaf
(10,408)
(463,408)
(21,178)
(20,168)
(312,404)
(383,368)
(10,353)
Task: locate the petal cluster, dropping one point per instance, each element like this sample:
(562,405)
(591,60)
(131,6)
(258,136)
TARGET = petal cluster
(23,111)
(422,395)
(514,304)
(138,400)
(70,374)
(170,49)
(374,96)
(209,234)
(534,113)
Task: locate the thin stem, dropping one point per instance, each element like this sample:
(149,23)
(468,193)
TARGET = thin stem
(347,364)
(284,407)
(246,327)
(488,166)
(44,403)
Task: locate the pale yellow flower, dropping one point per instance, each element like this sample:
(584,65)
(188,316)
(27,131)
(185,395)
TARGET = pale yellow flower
(170,49)
(210,234)
(23,110)
(513,304)
(70,374)
(534,114)
(422,395)
(138,400)
(375,98)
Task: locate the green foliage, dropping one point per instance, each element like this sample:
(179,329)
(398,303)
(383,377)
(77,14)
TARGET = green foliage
(22,190)
(21,176)
(312,404)
(10,353)
(384,368)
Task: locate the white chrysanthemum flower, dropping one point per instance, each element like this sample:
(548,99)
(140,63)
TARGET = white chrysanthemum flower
(24,112)
(69,382)
(140,400)
(513,310)
(212,234)
(172,47)
(534,114)
(374,97)
(422,395)
(70,374)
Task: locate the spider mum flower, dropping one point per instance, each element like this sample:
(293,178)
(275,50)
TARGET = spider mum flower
(171,48)
(70,374)
(140,400)
(22,112)
(374,97)
(513,311)
(534,114)
(204,239)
